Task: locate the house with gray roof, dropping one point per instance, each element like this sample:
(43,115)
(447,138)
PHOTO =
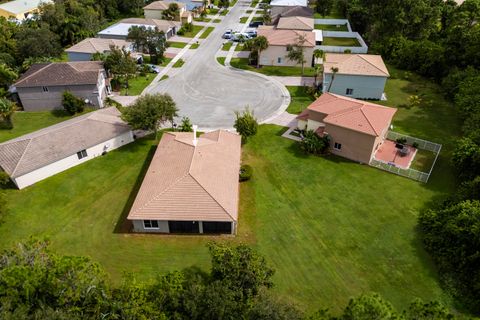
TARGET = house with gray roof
(120,29)
(46,152)
(43,85)
(85,49)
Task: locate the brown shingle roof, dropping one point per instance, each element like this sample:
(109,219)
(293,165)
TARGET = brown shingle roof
(61,73)
(353,114)
(356,64)
(191,183)
(280,37)
(93,45)
(296,11)
(40,148)
(296,23)
(162,5)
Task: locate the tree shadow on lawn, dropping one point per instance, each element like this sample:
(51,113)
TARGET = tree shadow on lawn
(123,225)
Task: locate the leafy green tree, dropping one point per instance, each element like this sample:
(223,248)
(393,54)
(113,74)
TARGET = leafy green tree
(223,3)
(246,124)
(37,43)
(241,269)
(172,13)
(121,64)
(149,112)
(267,307)
(466,158)
(312,143)
(420,310)
(324,7)
(369,307)
(7,76)
(296,52)
(186,125)
(7,108)
(72,104)
(138,36)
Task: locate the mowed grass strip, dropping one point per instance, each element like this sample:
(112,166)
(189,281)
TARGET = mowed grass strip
(177,44)
(300,99)
(342,42)
(137,84)
(207,32)
(331,27)
(242,63)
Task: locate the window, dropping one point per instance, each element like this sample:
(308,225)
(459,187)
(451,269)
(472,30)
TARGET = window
(349,92)
(337,146)
(279,60)
(45,89)
(82,154)
(150,224)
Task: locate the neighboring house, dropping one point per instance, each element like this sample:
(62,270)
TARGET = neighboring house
(44,153)
(295,23)
(191,185)
(278,45)
(120,29)
(295,11)
(20,9)
(155,10)
(279,6)
(43,85)
(85,49)
(356,128)
(360,76)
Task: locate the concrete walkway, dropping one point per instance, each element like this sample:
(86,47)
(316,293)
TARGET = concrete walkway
(284,119)
(296,81)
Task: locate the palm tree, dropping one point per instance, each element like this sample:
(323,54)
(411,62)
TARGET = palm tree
(334,72)
(259,44)
(7,108)
(318,54)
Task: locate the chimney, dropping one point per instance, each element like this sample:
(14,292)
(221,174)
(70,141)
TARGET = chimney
(195,135)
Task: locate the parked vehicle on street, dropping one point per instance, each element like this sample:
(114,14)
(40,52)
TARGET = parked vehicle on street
(240,37)
(228,34)
(152,68)
(255,24)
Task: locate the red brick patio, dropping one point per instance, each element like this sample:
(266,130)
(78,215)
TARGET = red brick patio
(389,154)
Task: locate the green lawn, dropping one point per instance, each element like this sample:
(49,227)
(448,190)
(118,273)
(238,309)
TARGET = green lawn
(300,99)
(423,160)
(202,19)
(224,12)
(177,44)
(254,19)
(165,62)
(195,46)
(196,29)
(207,32)
(243,19)
(221,60)
(217,20)
(242,63)
(179,63)
(212,11)
(334,14)
(165,76)
(344,42)
(331,27)
(137,84)
(249,11)
(227,45)
(26,122)
(240,47)
(254,3)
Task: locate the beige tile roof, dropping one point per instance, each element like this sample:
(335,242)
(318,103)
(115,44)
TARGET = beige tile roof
(280,37)
(296,23)
(353,114)
(162,5)
(61,74)
(40,148)
(356,64)
(94,45)
(191,183)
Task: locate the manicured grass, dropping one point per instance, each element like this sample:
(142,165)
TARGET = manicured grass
(202,19)
(213,11)
(300,99)
(217,20)
(242,63)
(423,160)
(165,62)
(254,19)
(26,122)
(227,45)
(224,12)
(177,44)
(254,3)
(331,27)
(196,29)
(165,76)
(179,63)
(334,14)
(344,42)
(243,19)
(137,84)
(221,60)
(240,47)
(232,3)
(249,11)
(207,32)
(195,46)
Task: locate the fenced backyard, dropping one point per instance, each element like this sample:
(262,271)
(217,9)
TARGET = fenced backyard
(424,148)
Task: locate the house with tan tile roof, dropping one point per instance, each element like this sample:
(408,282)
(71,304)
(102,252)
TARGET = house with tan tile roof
(85,49)
(191,185)
(360,76)
(43,85)
(155,10)
(356,128)
(295,23)
(41,154)
(279,41)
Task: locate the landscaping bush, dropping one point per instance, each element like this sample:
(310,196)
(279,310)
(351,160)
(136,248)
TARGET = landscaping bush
(4,179)
(246,172)
(246,124)
(186,125)
(401,140)
(415,145)
(314,144)
(72,104)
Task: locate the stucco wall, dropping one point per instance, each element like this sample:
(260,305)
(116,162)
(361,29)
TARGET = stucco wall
(162,227)
(364,87)
(19,17)
(356,146)
(269,57)
(35,99)
(71,161)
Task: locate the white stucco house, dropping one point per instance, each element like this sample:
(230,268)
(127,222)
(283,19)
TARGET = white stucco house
(46,152)
(360,76)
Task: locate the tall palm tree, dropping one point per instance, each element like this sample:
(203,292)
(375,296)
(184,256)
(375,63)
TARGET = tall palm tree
(7,108)
(334,72)
(260,43)
(318,54)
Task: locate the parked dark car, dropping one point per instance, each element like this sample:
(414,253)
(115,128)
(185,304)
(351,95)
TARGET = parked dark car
(255,24)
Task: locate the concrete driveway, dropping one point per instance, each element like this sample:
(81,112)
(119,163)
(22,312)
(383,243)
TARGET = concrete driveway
(209,93)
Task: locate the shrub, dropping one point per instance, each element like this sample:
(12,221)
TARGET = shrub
(181,31)
(314,144)
(4,178)
(246,172)
(72,104)
(415,145)
(186,125)
(246,124)
(401,140)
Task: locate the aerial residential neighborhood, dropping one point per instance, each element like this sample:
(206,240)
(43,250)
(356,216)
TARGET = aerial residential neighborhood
(239,159)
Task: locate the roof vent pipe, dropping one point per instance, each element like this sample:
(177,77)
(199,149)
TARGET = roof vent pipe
(195,135)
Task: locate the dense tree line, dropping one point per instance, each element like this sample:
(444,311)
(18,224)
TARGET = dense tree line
(441,40)
(36,283)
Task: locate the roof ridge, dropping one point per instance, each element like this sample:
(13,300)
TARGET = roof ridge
(34,73)
(21,158)
(93,44)
(366,117)
(362,57)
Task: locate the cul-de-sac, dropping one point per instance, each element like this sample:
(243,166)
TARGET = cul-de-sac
(240,159)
